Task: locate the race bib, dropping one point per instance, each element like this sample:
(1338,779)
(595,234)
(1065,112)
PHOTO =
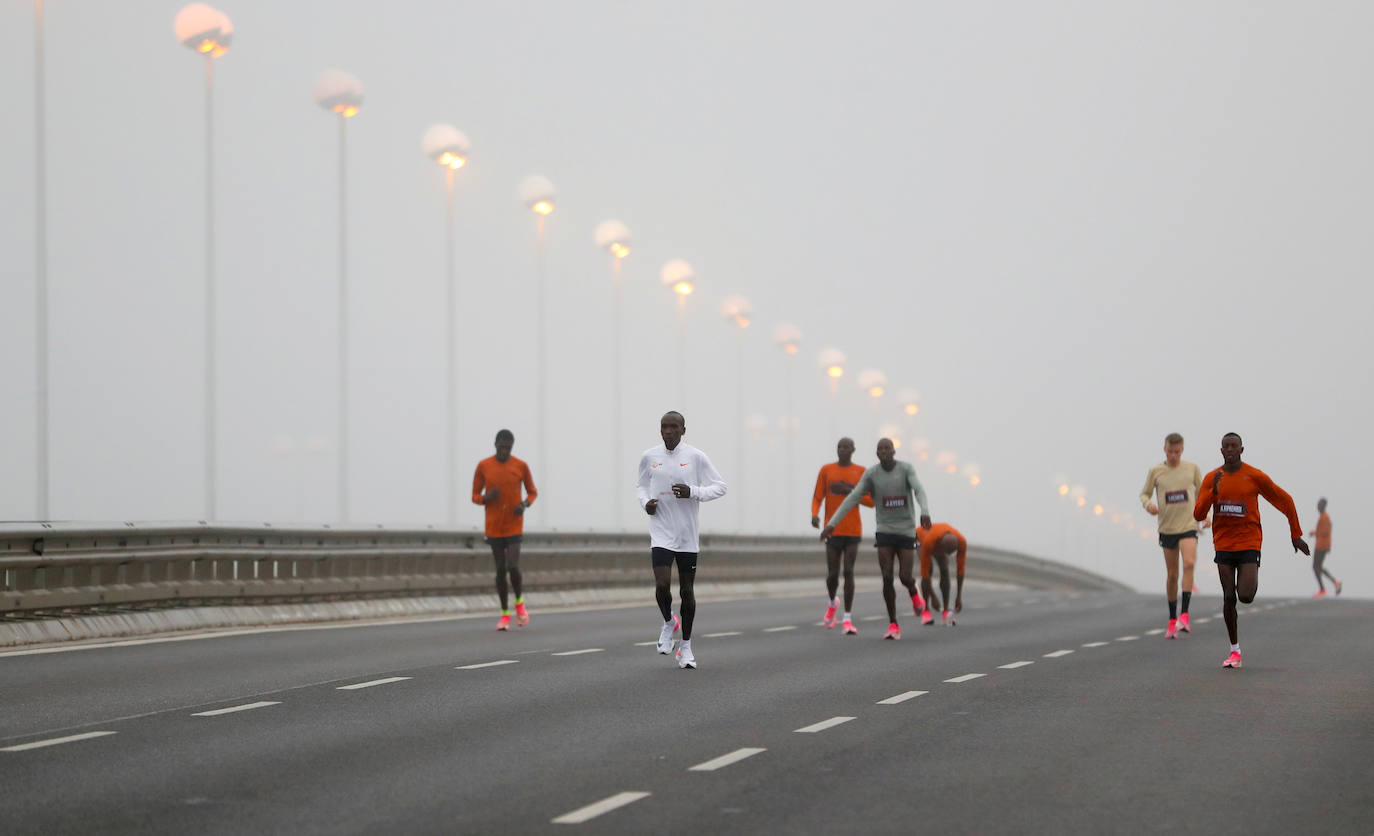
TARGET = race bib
(894,502)
(1231,509)
(1174,497)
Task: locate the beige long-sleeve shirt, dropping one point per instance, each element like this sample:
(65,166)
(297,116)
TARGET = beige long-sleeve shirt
(1177,489)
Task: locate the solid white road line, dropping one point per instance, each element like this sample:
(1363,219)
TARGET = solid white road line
(725,760)
(1127,638)
(1057,653)
(902,697)
(245,707)
(720,635)
(357,685)
(966,677)
(1096,644)
(1014,665)
(605,805)
(822,725)
(580,652)
(1154,632)
(779,629)
(39,744)
(486,665)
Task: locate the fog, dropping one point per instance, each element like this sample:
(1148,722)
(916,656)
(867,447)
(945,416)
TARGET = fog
(1074,227)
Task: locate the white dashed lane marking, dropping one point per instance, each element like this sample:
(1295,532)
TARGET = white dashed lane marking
(54,741)
(720,635)
(1014,665)
(1057,653)
(725,760)
(1154,632)
(645,644)
(966,677)
(1127,638)
(486,664)
(1202,621)
(355,686)
(902,697)
(230,710)
(823,725)
(1096,644)
(580,652)
(779,629)
(601,807)
(873,618)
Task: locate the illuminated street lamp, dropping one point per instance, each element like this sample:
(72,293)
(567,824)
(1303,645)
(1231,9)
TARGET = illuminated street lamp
(342,95)
(679,277)
(207,31)
(788,337)
(948,462)
(974,475)
(910,400)
(448,148)
(831,361)
(537,193)
(737,312)
(40,263)
(613,237)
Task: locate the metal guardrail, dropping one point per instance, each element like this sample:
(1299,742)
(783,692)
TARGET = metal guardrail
(70,567)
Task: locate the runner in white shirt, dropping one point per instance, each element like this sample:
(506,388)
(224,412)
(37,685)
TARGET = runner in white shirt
(673,479)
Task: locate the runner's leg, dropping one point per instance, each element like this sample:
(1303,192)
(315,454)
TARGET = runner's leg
(851,553)
(1247,582)
(1227,573)
(906,559)
(1171,581)
(663,590)
(832,570)
(1187,549)
(885,555)
(513,569)
(1319,557)
(498,554)
(942,563)
(686,577)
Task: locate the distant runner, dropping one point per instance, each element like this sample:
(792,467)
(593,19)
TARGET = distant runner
(674,479)
(1231,494)
(496,485)
(938,544)
(893,485)
(1176,483)
(1321,545)
(834,482)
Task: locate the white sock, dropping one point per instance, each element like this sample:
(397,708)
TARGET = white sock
(686,645)
(847,617)
(1235,648)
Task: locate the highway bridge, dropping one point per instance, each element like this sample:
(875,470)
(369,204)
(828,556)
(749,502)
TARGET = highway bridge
(1050,707)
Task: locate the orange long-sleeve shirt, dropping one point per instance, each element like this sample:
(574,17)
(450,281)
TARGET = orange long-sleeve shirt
(929,537)
(507,477)
(829,489)
(1236,521)
(1323,533)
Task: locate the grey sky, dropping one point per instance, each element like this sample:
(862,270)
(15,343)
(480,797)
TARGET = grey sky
(1074,227)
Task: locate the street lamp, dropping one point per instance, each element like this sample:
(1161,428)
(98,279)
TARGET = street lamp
(788,337)
(448,147)
(679,277)
(832,362)
(207,31)
(613,237)
(537,193)
(40,262)
(341,94)
(737,312)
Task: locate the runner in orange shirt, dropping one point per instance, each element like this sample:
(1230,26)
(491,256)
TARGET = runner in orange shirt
(836,481)
(937,544)
(496,484)
(1320,546)
(1231,493)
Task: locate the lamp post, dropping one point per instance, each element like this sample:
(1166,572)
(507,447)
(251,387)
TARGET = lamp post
(679,277)
(341,94)
(874,384)
(737,312)
(537,193)
(832,362)
(207,31)
(40,263)
(613,237)
(788,337)
(448,147)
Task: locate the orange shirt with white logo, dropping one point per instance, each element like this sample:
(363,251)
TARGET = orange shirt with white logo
(830,484)
(507,477)
(1235,507)
(929,537)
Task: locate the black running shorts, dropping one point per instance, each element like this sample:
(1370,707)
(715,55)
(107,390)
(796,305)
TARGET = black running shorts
(842,542)
(1170,541)
(1238,558)
(894,541)
(664,559)
(502,542)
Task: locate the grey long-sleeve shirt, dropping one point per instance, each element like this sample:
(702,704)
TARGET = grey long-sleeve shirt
(892,491)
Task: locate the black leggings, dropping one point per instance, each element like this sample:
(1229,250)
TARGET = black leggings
(686,575)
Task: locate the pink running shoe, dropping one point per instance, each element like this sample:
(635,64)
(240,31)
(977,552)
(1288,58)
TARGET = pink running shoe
(927,618)
(830,615)
(893,631)
(917,604)
(1183,625)
(1320,593)
(1232,661)
(849,628)
(504,622)
(522,615)
(947,618)
(1172,632)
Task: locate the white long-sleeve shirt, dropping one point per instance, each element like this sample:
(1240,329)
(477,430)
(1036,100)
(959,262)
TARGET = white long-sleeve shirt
(674,525)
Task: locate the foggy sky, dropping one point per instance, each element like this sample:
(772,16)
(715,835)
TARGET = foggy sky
(1073,226)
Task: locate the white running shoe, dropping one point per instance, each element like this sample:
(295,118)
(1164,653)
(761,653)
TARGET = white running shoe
(685,659)
(665,637)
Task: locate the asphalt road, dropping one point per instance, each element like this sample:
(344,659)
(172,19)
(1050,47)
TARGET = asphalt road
(1039,712)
